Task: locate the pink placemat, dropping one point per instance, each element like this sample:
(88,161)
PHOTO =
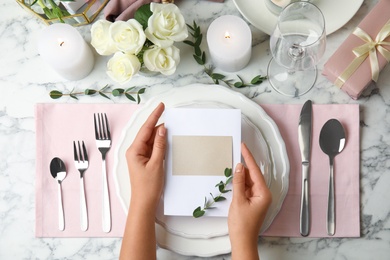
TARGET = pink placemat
(346,170)
(57,125)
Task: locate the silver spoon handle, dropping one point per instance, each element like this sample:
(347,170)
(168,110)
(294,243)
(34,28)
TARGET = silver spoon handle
(331,219)
(83,207)
(61,222)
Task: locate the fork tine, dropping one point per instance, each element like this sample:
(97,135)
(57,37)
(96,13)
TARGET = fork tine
(96,126)
(80,153)
(85,152)
(107,128)
(76,158)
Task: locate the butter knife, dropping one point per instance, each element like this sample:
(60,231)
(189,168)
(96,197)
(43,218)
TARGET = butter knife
(304,140)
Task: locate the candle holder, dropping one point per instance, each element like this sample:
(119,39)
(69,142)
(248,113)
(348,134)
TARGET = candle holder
(75,13)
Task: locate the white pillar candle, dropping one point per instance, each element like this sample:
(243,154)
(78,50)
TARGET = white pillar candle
(65,50)
(230,43)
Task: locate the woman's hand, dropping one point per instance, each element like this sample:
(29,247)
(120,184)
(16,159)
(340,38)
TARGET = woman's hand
(250,202)
(145,159)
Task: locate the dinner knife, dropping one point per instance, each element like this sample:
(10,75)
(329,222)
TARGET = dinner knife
(304,139)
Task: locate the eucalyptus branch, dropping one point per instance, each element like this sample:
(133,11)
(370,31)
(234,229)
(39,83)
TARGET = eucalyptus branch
(200,58)
(208,204)
(105,92)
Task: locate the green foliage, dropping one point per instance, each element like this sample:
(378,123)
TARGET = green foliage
(104,92)
(142,15)
(199,211)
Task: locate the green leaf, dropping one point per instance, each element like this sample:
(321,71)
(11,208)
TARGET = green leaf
(55,94)
(217,76)
(221,188)
(73,96)
(219,184)
(204,57)
(198,51)
(142,15)
(89,91)
(228,172)
(130,97)
(103,95)
(219,198)
(198,212)
(189,43)
(129,89)
(117,92)
(198,40)
(189,26)
(239,84)
(198,60)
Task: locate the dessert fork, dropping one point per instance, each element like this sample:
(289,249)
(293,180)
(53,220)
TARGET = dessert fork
(81,163)
(103,143)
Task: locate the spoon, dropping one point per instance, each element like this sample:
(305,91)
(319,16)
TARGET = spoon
(332,142)
(58,171)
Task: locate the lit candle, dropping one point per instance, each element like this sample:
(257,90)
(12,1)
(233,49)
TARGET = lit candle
(230,43)
(65,50)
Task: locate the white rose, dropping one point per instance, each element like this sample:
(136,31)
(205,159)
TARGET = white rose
(163,60)
(128,36)
(100,39)
(166,25)
(122,67)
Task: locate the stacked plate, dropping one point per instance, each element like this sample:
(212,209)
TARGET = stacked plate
(208,236)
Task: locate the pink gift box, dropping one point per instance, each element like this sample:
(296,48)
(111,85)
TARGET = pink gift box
(344,56)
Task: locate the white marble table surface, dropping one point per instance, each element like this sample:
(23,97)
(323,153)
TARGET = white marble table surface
(26,80)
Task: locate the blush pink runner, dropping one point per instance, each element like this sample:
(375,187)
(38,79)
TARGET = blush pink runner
(57,125)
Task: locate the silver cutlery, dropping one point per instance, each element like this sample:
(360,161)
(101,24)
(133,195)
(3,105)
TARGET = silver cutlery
(103,143)
(304,140)
(81,163)
(332,142)
(58,171)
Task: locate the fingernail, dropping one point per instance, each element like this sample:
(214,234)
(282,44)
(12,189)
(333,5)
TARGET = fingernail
(161,131)
(239,167)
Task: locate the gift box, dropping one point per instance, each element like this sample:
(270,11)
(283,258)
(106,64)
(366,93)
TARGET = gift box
(364,53)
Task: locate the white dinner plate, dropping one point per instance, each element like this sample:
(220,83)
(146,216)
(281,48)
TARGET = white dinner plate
(206,93)
(336,13)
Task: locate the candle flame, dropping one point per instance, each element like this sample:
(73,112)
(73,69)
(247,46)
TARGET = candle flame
(227,35)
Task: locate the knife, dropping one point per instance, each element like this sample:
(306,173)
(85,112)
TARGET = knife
(304,139)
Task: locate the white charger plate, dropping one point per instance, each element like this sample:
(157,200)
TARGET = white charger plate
(336,13)
(209,242)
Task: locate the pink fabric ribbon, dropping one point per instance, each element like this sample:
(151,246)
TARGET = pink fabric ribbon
(123,10)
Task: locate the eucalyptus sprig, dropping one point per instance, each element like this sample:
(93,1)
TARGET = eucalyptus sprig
(200,58)
(208,204)
(105,92)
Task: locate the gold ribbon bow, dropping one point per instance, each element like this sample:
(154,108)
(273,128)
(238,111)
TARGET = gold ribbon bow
(368,49)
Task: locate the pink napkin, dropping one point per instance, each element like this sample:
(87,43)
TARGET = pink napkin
(123,10)
(57,125)
(346,172)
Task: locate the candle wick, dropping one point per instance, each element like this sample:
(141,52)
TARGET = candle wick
(62,43)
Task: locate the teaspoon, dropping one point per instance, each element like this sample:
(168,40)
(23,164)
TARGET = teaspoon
(58,171)
(332,142)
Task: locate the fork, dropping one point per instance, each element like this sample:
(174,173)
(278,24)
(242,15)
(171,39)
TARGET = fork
(103,143)
(81,163)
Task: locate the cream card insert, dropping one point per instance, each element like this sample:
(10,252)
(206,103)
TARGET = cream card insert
(201,144)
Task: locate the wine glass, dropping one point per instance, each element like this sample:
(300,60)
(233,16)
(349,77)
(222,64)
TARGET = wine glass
(297,44)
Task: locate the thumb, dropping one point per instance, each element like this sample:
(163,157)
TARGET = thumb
(159,145)
(239,183)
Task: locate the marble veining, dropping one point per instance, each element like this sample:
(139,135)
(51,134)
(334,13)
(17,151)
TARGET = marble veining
(26,80)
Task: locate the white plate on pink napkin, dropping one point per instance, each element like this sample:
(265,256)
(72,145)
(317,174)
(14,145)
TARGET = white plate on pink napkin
(336,13)
(187,235)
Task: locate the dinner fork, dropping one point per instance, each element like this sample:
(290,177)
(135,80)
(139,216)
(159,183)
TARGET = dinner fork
(81,163)
(103,143)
